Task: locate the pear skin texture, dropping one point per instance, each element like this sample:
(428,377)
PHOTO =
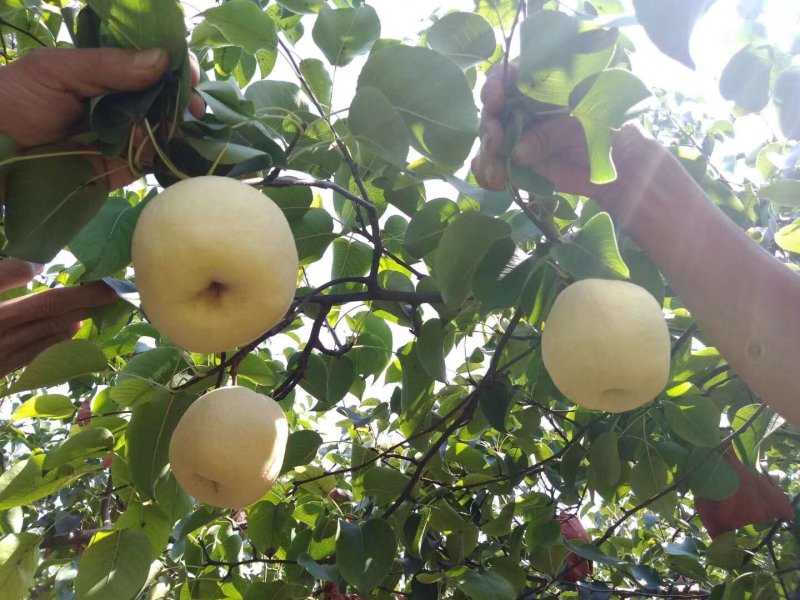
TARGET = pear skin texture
(216,263)
(227,450)
(606,345)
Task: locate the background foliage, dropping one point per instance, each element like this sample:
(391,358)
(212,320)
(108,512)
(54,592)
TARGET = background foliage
(429,450)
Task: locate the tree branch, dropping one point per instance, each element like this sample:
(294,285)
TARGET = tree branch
(300,368)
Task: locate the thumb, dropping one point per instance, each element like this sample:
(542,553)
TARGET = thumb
(89,72)
(15,272)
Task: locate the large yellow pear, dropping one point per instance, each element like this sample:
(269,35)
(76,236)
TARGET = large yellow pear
(215,262)
(606,345)
(227,449)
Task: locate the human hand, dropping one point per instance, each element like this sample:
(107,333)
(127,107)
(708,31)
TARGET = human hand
(44,93)
(555,146)
(30,324)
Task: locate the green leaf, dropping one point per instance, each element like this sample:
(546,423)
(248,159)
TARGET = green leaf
(786,97)
(416,397)
(746,78)
(59,363)
(48,201)
(276,590)
(351,258)
(150,520)
(590,551)
(694,418)
(236,23)
(294,201)
(301,449)
(492,203)
(85,444)
(604,107)
(546,36)
(499,13)
(276,102)
(111,115)
(788,237)
(148,436)
(302,6)
(486,586)
(496,401)
(374,122)
(427,226)
(498,282)
(19,557)
(318,571)
(365,553)
(385,483)
(510,570)
(784,193)
(593,252)
(313,233)
(372,349)
(24,482)
(502,524)
(431,350)
(605,467)
(431,94)
(269,526)
(713,478)
(323,540)
(318,79)
(651,476)
(753,430)
(752,586)
(51,406)
(115,565)
(460,251)
(344,33)
(725,552)
(327,379)
(143,24)
(104,245)
(465,38)
(669,26)
(257,370)
(146,376)
(552,61)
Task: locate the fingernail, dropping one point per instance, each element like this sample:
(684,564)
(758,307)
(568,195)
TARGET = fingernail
(147,59)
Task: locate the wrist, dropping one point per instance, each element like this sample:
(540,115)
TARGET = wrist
(645,171)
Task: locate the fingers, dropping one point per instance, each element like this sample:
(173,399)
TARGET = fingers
(197,106)
(500,78)
(15,272)
(18,358)
(54,303)
(490,172)
(493,95)
(492,136)
(547,138)
(89,72)
(194,69)
(30,332)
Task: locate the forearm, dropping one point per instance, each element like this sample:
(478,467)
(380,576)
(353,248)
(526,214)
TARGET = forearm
(745,300)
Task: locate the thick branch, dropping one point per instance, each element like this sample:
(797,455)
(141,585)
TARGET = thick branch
(299,370)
